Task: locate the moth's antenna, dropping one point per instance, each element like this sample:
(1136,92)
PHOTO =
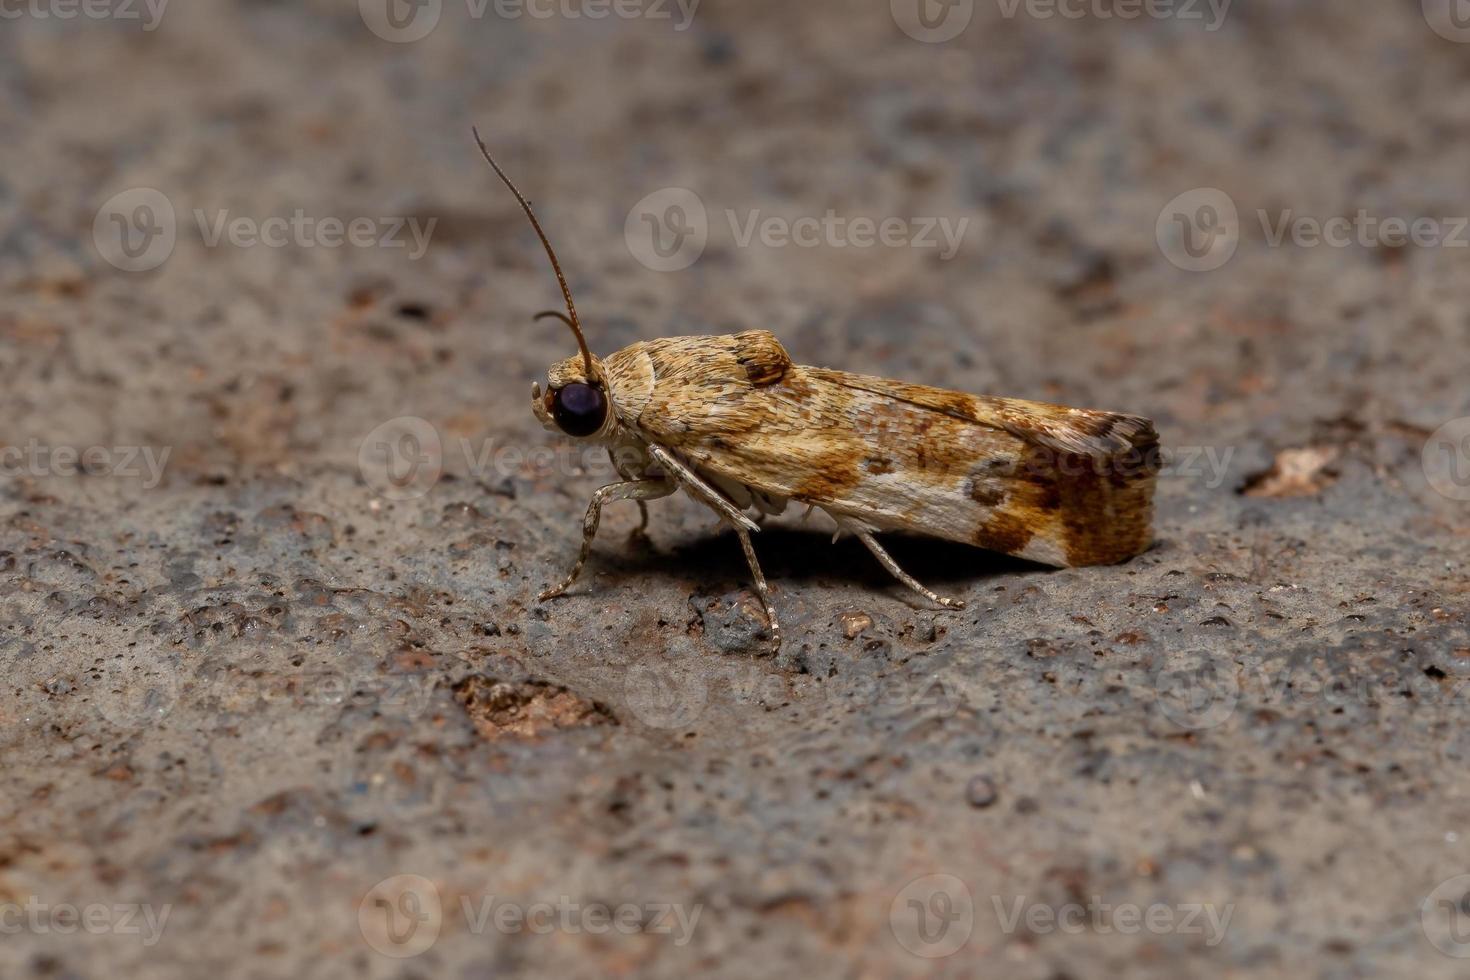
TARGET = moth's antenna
(573,322)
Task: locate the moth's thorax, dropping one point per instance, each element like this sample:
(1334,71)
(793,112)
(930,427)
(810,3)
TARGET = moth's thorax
(630,382)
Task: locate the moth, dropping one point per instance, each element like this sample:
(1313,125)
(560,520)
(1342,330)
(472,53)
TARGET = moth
(733,422)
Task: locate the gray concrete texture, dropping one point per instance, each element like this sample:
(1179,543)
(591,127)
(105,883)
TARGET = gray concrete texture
(278,701)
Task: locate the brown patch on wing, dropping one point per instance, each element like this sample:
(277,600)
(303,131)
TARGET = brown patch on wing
(985,495)
(828,475)
(1107,518)
(1005,532)
(761,354)
(1024,494)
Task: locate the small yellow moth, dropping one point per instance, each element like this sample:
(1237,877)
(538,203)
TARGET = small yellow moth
(733,422)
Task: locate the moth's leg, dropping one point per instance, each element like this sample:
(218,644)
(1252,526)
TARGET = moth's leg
(639,490)
(641,531)
(701,489)
(866,537)
(734,515)
(760,585)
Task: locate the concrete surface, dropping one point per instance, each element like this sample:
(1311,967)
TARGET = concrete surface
(249,689)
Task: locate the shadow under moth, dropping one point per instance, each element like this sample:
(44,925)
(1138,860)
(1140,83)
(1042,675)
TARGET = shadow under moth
(738,426)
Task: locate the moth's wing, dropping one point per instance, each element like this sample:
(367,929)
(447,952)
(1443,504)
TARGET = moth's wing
(1056,485)
(1066,430)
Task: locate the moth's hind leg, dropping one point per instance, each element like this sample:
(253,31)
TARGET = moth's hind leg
(733,515)
(760,584)
(639,490)
(866,537)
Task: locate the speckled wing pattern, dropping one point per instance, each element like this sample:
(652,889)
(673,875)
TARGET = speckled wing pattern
(1056,485)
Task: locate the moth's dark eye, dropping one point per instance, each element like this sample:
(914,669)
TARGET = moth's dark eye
(579,409)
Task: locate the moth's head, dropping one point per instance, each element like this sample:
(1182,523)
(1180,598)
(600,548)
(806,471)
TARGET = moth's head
(575,403)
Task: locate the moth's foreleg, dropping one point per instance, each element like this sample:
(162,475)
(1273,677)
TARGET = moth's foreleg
(639,490)
(760,584)
(866,537)
(701,490)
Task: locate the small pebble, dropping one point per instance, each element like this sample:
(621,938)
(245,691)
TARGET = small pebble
(853,623)
(981,792)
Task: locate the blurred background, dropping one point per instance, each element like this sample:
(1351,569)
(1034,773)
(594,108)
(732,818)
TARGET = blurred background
(274,507)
